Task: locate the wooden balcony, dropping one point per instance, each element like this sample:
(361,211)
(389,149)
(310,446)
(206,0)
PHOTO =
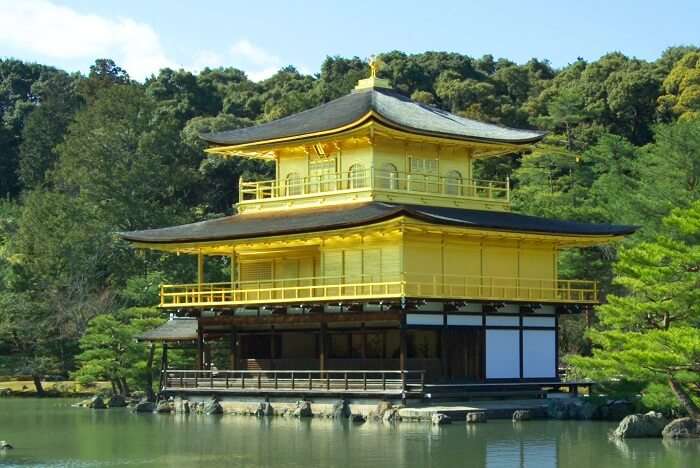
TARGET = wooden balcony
(330,289)
(375,184)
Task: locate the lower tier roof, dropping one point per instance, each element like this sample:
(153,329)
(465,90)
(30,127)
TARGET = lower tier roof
(306,220)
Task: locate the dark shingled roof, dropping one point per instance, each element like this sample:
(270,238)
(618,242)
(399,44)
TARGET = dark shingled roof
(179,329)
(304,220)
(389,105)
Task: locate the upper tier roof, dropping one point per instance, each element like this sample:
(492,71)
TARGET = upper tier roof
(388,106)
(246,226)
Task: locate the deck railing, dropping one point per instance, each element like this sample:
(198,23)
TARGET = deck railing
(337,288)
(297,381)
(375,179)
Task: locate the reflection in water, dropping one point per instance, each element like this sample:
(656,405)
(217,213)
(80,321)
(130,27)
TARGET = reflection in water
(49,433)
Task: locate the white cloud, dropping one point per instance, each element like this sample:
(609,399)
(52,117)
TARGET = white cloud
(252,53)
(256,61)
(57,32)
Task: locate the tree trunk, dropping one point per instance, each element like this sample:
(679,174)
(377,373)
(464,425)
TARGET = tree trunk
(684,398)
(37,384)
(125,386)
(114,387)
(120,388)
(149,374)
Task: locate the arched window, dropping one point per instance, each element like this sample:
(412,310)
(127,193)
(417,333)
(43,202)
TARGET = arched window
(357,178)
(292,185)
(388,177)
(453,183)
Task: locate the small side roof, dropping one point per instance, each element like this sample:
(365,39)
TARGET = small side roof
(390,107)
(265,224)
(176,329)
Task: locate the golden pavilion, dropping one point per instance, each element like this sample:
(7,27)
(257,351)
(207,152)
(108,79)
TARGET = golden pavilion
(374,262)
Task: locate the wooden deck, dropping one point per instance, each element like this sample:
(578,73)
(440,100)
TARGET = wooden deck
(375,383)
(304,382)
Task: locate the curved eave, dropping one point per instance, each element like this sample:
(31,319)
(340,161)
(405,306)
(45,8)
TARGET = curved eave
(259,148)
(403,218)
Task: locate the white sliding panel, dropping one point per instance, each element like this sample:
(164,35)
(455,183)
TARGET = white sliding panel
(424,319)
(502,354)
(539,354)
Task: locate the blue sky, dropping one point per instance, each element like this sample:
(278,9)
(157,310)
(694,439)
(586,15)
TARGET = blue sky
(261,36)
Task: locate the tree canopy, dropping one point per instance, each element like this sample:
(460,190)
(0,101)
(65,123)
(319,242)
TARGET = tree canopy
(83,157)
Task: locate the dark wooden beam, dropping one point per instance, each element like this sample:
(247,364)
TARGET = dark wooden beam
(200,348)
(233,355)
(301,318)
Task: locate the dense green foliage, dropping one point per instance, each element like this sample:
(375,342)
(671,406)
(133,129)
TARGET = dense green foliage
(651,332)
(84,157)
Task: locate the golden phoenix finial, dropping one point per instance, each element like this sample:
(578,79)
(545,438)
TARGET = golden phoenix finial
(374,64)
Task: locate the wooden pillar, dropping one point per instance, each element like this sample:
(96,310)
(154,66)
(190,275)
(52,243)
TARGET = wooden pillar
(200,268)
(402,353)
(164,358)
(272,347)
(149,373)
(364,341)
(444,349)
(207,355)
(322,348)
(233,355)
(200,348)
(233,270)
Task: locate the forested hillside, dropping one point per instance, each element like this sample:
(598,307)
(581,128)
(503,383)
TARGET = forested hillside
(85,157)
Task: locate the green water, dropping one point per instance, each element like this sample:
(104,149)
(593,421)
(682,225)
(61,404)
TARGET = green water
(49,433)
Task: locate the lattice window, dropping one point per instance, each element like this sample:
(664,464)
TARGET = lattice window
(256,271)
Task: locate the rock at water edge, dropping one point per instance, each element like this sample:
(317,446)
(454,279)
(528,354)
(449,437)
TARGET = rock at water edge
(213,407)
(96,402)
(302,410)
(476,417)
(682,428)
(144,406)
(633,426)
(522,415)
(164,407)
(116,401)
(440,419)
(264,409)
(341,410)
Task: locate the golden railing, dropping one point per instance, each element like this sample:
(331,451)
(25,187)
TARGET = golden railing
(375,179)
(326,288)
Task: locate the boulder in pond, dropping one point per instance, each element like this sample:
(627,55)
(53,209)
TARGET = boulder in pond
(264,409)
(440,419)
(116,401)
(391,415)
(476,417)
(682,428)
(650,424)
(302,410)
(181,405)
(213,407)
(96,402)
(5,392)
(522,415)
(5,445)
(340,410)
(145,406)
(358,418)
(164,407)
(381,408)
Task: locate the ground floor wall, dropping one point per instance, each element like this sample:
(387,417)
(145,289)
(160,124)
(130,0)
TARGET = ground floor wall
(456,346)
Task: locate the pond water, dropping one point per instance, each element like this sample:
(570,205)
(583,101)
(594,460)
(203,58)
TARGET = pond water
(49,433)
